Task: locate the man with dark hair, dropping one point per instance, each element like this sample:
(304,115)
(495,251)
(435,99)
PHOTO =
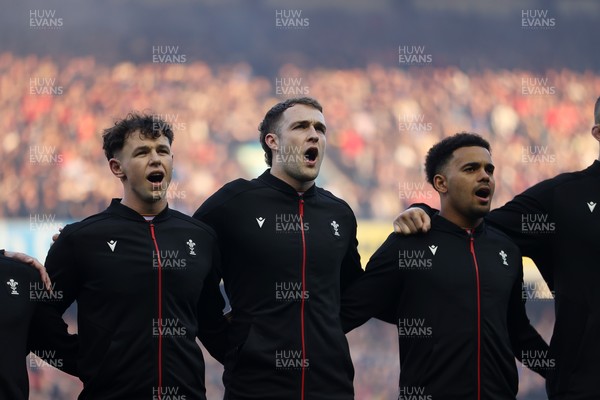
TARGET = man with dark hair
(148,126)
(272,120)
(439,155)
(289,249)
(144,278)
(455,293)
(567,257)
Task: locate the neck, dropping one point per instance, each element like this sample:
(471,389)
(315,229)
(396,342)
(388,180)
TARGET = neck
(144,208)
(461,220)
(299,186)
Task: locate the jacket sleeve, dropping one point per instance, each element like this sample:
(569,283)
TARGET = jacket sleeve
(351,268)
(203,213)
(512,220)
(527,344)
(211,211)
(48,336)
(375,293)
(212,324)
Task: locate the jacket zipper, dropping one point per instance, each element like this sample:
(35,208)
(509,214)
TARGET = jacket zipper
(472,241)
(159,310)
(301,211)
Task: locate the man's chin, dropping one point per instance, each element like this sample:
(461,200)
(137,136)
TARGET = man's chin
(310,174)
(157,196)
(481,211)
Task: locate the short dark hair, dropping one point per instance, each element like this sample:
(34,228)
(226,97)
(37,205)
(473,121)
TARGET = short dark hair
(271,121)
(439,155)
(597,111)
(149,127)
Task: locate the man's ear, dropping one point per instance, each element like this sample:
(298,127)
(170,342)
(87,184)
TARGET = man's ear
(116,168)
(272,140)
(440,184)
(596,132)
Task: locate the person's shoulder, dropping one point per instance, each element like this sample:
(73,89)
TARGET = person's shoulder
(415,239)
(187,221)
(560,180)
(592,172)
(239,184)
(492,230)
(8,261)
(10,266)
(327,195)
(234,188)
(566,177)
(396,242)
(499,235)
(226,196)
(86,223)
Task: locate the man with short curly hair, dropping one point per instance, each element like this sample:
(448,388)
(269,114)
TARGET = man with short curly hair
(455,293)
(144,278)
(566,250)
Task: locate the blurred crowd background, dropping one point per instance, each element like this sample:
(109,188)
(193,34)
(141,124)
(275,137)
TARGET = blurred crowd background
(381,122)
(484,68)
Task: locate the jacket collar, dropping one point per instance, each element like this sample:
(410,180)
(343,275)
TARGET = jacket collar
(282,186)
(594,169)
(443,224)
(116,207)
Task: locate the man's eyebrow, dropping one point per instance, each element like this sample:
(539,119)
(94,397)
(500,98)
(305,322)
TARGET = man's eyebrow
(147,148)
(321,126)
(478,164)
(143,147)
(301,122)
(471,164)
(306,122)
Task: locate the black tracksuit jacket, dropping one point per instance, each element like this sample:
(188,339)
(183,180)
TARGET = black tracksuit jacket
(456,297)
(21,287)
(285,260)
(557,224)
(144,291)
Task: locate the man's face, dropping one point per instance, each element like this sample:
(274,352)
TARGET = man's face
(300,144)
(470,183)
(147,168)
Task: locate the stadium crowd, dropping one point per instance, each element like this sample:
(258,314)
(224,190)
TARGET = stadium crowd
(381,122)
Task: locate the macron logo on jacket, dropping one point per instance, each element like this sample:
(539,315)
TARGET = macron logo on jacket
(591,206)
(112,244)
(260,221)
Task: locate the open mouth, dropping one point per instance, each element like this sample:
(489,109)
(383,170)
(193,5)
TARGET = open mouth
(156,177)
(311,154)
(483,193)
